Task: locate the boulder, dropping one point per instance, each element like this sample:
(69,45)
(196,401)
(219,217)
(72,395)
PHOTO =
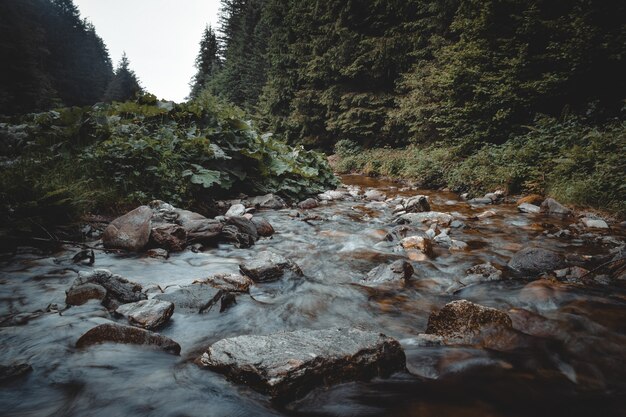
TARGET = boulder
(332,195)
(229,282)
(231,233)
(536,261)
(193,298)
(268,266)
(263,227)
(287,365)
(268,201)
(463,322)
(594,223)
(129,232)
(119,290)
(79,294)
(443,219)
(245,226)
(170,236)
(398,271)
(118,333)
(375,195)
(149,314)
(202,230)
(422,243)
(236,210)
(309,203)
(528,208)
(416,204)
(551,206)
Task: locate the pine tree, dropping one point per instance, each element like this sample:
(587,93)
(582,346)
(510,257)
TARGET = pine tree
(208,62)
(124,85)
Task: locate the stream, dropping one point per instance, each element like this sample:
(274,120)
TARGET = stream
(570,358)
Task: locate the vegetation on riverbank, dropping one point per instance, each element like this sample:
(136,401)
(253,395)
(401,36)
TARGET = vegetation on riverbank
(569,160)
(61,163)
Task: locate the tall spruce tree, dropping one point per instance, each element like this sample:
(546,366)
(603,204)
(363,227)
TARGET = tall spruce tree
(208,62)
(124,85)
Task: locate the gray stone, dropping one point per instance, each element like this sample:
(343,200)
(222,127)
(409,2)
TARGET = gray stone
(229,282)
(594,223)
(231,233)
(465,322)
(375,195)
(79,294)
(263,227)
(118,333)
(119,289)
(416,204)
(268,201)
(529,208)
(480,201)
(236,210)
(149,314)
(309,203)
(398,271)
(268,266)
(193,298)
(287,365)
(551,206)
(536,261)
(129,232)
(157,253)
(443,219)
(245,226)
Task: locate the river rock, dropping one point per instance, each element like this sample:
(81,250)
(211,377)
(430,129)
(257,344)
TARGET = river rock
(331,195)
(267,201)
(129,232)
(118,333)
(268,266)
(263,227)
(375,195)
(157,253)
(119,290)
(528,208)
(480,201)
(594,223)
(202,230)
(236,210)
(398,271)
(148,314)
(79,294)
(231,233)
(309,203)
(416,204)
(287,365)
(551,206)
(193,298)
(443,219)
(169,236)
(444,240)
(536,261)
(465,322)
(230,282)
(400,232)
(245,226)
(422,243)
(481,273)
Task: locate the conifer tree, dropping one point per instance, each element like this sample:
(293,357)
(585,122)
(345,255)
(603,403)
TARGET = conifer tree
(124,85)
(208,62)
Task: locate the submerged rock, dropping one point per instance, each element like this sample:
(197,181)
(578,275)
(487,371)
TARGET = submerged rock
(229,282)
(287,365)
(119,290)
(79,294)
(309,203)
(149,314)
(193,298)
(398,271)
(551,206)
(482,273)
(536,261)
(157,253)
(118,333)
(465,322)
(129,232)
(268,266)
(529,208)
(443,219)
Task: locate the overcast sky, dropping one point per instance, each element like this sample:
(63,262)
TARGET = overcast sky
(160,37)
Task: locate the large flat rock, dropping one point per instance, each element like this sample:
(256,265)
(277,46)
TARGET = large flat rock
(287,365)
(268,266)
(149,314)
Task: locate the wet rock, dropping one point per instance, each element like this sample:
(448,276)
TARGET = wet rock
(443,240)
(309,203)
(149,314)
(375,195)
(400,232)
(480,201)
(229,282)
(232,234)
(481,273)
(119,290)
(268,201)
(528,208)
(268,266)
(536,261)
(245,226)
(287,365)
(332,195)
(465,322)
(169,236)
(495,197)
(129,232)
(9,373)
(422,243)
(551,206)
(545,294)
(79,294)
(202,230)
(443,219)
(594,223)
(398,271)
(573,274)
(457,224)
(416,204)
(263,227)
(193,298)
(236,210)
(157,253)
(86,257)
(118,333)
(487,213)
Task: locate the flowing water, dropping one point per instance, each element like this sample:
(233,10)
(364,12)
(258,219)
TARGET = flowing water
(569,359)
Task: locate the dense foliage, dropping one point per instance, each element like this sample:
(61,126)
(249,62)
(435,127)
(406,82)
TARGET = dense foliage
(63,162)
(49,57)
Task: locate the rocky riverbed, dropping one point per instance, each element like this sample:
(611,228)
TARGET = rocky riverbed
(372,299)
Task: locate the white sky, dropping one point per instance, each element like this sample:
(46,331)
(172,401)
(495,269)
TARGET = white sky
(161,38)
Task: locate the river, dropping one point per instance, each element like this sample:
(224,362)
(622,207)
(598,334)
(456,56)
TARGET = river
(570,361)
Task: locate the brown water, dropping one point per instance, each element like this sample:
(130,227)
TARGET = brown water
(569,357)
